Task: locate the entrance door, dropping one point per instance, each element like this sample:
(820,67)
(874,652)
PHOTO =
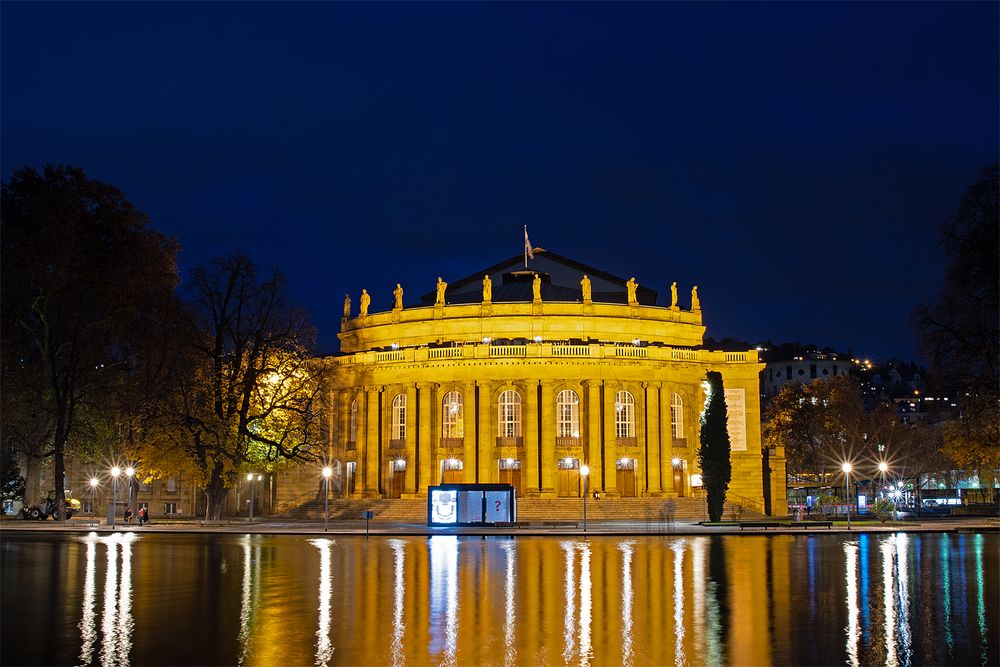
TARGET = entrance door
(451,471)
(568,478)
(351,476)
(397,478)
(626,478)
(510,473)
(679,479)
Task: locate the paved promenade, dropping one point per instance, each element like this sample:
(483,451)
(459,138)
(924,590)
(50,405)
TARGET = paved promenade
(594,528)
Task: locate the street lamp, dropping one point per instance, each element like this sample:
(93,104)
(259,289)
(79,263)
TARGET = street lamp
(93,503)
(847,491)
(883,468)
(115,472)
(327,472)
(252,485)
(584,472)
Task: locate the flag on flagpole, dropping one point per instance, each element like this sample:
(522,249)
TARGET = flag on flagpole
(528,252)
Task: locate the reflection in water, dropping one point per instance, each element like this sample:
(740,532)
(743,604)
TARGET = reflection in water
(643,601)
(509,614)
(398,597)
(851,567)
(248,599)
(569,549)
(117,624)
(627,551)
(903,587)
(324,647)
(678,549)
(88,631)
(444,592)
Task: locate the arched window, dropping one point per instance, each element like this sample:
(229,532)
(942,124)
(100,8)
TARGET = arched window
(568,414)
(509,417)
(624,415)
(399,417)
(677,415)
(452,415)
(354,421)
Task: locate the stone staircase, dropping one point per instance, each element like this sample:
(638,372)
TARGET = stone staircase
(528,510)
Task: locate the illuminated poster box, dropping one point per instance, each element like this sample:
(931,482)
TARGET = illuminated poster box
(470,504)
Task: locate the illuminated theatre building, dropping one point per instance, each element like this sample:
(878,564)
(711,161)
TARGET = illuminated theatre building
(527,376)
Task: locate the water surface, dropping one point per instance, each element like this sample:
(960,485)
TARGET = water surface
(170,599)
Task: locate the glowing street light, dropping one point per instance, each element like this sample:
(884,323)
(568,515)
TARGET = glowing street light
(327,472)
(585,472)
(847,491)
(115,473)
(130,473)
(250,480)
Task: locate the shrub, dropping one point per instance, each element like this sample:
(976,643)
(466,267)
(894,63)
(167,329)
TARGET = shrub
(883,509)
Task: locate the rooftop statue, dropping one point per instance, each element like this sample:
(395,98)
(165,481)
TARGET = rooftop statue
(487,289)
(365,302)
(585,285)
(347,305)
(536,288)
(441,287)
(398,293)
(673,294)
(695,302)
(631,285)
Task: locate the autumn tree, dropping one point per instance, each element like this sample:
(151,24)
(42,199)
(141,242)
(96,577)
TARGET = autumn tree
(960,331)
(245,389)
(80,269)
(714,448)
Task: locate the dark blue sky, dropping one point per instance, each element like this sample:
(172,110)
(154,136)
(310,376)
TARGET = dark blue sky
(794,160)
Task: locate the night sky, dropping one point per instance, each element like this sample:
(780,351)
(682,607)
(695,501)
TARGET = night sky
(793,160)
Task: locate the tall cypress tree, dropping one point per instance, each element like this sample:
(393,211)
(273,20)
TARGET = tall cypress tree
(713,452)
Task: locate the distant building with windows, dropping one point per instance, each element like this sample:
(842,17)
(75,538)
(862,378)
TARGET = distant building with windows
(804,369)
(523,376)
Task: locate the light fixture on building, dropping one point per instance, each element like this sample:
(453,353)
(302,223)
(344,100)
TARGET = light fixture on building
(538,339)
(395,346)
(695,480)
(635,341)
(487,340)
(675,462)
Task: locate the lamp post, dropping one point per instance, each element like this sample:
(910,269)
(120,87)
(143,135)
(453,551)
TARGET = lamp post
(115,472)
(250,506)
(585,472)
(847,491)
(93,502)
(883,468)
(130,474)
(327,472)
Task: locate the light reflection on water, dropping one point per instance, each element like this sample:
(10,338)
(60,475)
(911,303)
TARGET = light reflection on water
(446,600)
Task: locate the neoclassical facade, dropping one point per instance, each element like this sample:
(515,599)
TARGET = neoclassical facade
(526,375)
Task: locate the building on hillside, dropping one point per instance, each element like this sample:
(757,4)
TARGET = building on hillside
(526,375)
(803,369)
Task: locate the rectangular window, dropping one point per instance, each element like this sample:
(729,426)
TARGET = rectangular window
(171,485)
(170,508)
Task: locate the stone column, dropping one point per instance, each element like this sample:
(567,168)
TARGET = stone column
(529,430)
(486,416)
(425,444)
(652,403)
(667,435)
(410,481)
(610,443)
(640,440)
(548,443)
(372,464)
(469,473)
(593,432)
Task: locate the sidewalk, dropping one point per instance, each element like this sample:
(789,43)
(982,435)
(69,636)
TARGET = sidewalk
(638,528)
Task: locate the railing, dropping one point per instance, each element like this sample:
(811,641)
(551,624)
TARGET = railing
(631,352)
(508,350)
(352,445)
(445,353)
(392,355)
(397,444)
(570,350)
(736,356)
(510,441)
(452,442)
(733,499)
(567,441)
(625,442)
(684,355)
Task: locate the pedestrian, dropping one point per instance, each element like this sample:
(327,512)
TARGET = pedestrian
(128,515)
(143,518)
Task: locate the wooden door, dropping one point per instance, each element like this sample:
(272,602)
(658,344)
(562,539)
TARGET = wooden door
(396,480)
(626,482)
(451,476)
(512,476)
(351,479)
(569,483)
(679,480)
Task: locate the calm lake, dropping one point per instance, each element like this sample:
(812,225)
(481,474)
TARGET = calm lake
(173,599)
